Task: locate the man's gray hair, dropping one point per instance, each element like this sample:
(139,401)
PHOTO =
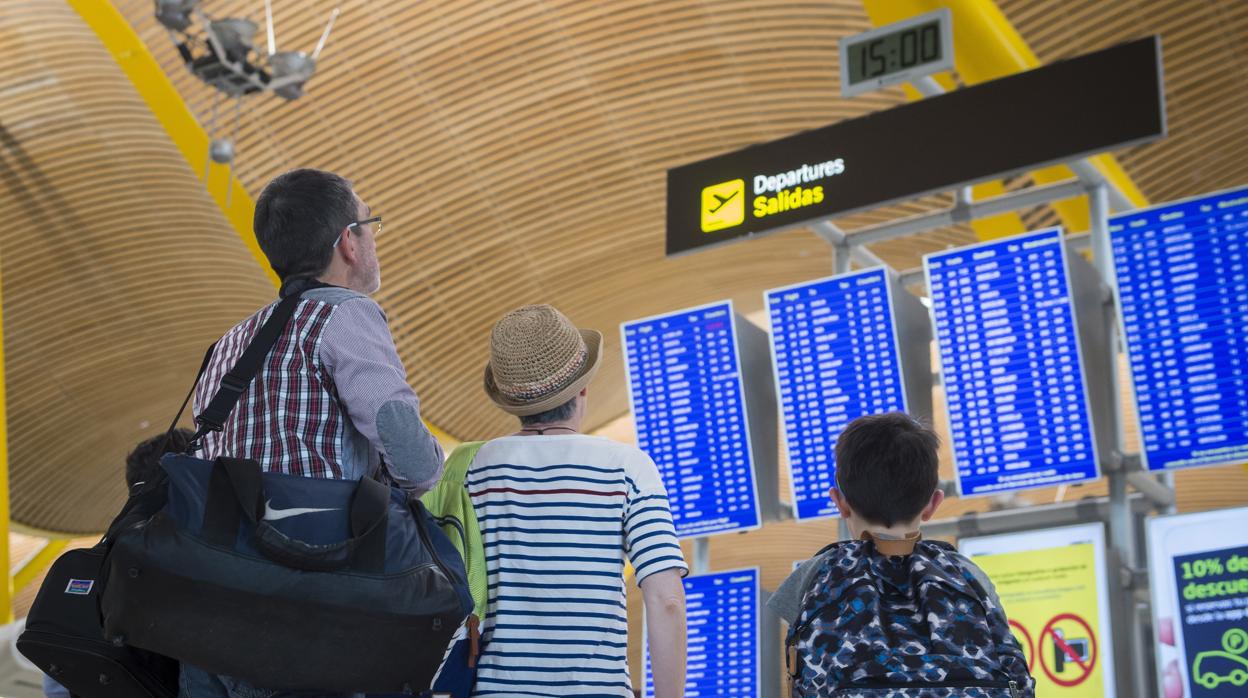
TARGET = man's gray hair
(555,414)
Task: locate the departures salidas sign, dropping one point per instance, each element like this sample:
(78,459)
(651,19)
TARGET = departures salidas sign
(728,204)
(784,191)
(1057,113)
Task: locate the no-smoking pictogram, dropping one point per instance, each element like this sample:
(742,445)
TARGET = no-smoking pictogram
(1069,653)
(1029,646)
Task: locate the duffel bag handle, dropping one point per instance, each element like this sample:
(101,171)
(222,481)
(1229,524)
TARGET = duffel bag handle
(236,488)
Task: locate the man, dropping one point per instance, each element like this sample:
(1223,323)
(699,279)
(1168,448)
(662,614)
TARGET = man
(331,399)
(558,512)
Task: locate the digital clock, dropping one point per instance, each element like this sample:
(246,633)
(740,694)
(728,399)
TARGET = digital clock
(897,53)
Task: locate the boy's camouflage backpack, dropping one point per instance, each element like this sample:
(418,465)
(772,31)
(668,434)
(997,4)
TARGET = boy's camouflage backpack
(893,625)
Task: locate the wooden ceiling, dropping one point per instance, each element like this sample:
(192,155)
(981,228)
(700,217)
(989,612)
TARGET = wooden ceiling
(118,269)
(517,151)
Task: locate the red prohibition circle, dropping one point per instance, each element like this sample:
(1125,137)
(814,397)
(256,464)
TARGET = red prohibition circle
(1092,654)
(1029,646)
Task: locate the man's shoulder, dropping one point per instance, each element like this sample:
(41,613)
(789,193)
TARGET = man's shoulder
(331,297)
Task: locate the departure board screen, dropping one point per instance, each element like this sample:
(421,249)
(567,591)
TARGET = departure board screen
(1183,286)
(835,348)
(723,614)
(1011,366)
(685,385)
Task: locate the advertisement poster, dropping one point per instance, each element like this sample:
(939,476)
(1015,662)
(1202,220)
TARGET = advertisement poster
(1052,584)
(1199,567)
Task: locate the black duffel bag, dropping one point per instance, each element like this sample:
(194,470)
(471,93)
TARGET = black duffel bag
(289,583)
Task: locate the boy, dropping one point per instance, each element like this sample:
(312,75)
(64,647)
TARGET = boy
(888,613)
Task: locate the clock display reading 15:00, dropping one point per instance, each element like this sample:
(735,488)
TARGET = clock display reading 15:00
(894,52)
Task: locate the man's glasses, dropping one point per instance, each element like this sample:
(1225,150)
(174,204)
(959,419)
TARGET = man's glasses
(375,221)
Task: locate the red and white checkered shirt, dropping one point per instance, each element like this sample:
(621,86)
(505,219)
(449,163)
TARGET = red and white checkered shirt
(330,401)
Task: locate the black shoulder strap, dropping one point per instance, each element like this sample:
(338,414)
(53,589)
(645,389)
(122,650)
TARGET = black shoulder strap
(203,367)
(236,381)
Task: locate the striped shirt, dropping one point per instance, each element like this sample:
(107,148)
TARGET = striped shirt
(558,514)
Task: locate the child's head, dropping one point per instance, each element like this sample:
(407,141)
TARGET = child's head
(143,462)
(887,473)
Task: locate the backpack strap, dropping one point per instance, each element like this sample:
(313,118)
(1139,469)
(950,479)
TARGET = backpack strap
(791,636)
(450,504)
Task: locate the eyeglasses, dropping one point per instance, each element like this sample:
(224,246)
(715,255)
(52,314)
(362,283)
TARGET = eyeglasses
(375,221)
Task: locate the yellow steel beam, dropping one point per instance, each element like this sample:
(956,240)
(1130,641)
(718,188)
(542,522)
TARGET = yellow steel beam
(986,46)
(37,564)
(154,87)
(6,589)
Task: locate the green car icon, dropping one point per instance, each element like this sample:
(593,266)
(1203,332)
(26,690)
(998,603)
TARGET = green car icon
(1231,663)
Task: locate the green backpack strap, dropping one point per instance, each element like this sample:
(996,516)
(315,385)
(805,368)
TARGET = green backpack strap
(449,500)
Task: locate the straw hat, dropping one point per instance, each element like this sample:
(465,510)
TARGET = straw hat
(539,360)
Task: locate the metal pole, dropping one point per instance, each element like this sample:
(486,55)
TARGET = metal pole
(1121,520)
(842,530)
(1121,529)
(1030,517)
(841,257)
(1086,171)
(701,556)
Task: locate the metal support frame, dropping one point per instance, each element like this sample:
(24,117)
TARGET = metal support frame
(1120,509)
(1030,517)
(1013,201)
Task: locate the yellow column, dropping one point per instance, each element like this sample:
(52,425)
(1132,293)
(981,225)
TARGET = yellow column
(6,590)
(42,560)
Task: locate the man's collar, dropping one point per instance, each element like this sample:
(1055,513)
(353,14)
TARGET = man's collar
(299,284)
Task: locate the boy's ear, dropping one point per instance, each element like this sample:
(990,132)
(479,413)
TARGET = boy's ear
(841,504)
(930,510)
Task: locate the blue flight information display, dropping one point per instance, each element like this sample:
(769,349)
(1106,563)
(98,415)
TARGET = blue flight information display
(1011,364)
(723,615)
(835,348)
(688,402)
(1183,286)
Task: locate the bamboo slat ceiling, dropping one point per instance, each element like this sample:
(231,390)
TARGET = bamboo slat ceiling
(517,151)
(118,269)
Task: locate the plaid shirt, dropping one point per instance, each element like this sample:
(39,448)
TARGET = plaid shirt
(331,399)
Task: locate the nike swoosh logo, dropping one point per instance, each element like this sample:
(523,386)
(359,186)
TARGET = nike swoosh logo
(271,514)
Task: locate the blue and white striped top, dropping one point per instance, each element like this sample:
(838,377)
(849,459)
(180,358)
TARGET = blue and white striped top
(558,514)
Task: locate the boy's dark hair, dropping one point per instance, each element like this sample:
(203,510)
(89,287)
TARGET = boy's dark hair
(887,467)
(144,461)
(298,217)
(554,414)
